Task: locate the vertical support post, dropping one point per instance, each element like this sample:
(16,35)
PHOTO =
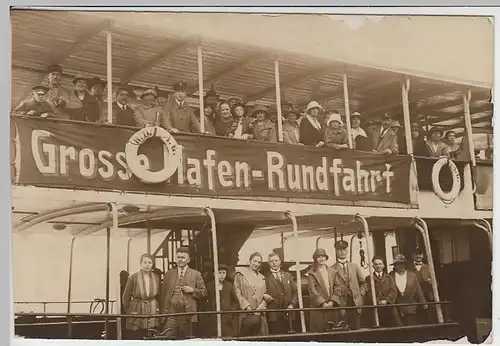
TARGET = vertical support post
(421,226)
(283,246)
(279,121)
(109,70)
(128,254)
(215,250)
(200,88)
(70,274)
(366,229)
(468,126)
(405,90)
(347,111)
(106,308)
(485,226)
(290,216)
(317,242)
(148,238)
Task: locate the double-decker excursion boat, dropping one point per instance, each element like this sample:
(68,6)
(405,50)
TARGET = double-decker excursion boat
(87,181)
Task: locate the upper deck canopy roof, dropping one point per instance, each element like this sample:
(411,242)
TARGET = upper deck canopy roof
(158,49)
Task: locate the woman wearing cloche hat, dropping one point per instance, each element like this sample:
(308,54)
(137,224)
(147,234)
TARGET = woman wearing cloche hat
(311,131)
(321,278)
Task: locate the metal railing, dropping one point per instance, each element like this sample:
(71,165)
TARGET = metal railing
(118,318)
(45,303)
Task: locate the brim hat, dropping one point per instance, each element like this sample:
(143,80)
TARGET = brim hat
(96,81)
(312,105)
(355,115)
(148,92)
(161,93)
(341,244)
(334,117)
(400,259)
(78,78)
(435,129)
(260,108)
(320,252)
(291,112)
(395,123)
(54,68)
(183,249)
(126,88)
(447,133)
(40,88)
(180,86)
(415,127)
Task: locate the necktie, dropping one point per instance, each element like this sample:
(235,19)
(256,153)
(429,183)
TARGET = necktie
(277,276)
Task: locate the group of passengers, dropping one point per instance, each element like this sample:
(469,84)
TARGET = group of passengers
(230,118)
(256,292)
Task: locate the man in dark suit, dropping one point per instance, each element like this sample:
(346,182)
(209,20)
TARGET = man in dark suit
(182,287)
(385,293)
(349,285)
(408,291)
(423,272)
(123,114)
(281,287)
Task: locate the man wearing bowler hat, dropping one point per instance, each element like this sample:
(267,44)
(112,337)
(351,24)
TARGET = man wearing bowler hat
(181,289)
(36,106)
(177,115)
(349,286)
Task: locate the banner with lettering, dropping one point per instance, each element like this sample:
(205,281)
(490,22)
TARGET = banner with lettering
(85,156)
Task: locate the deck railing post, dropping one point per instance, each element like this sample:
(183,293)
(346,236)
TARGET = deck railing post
(200,89)
(279,121)
(109,72)
(347,111)
(292,218)
(366,230)
(215,250)
(468,126)
(128,254)
(485,226)
(70,274)
(405,90)
(421,226)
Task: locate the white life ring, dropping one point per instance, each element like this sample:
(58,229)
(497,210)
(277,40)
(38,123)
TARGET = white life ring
(450,196)
(133,162)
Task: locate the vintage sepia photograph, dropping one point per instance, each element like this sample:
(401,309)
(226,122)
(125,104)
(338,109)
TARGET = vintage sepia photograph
(251,176)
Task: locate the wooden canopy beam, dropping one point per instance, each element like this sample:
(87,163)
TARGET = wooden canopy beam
(290,82)
(232,69)
(476,120)
(58,59)
(162,56)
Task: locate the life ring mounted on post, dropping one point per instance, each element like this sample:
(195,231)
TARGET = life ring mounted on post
(172,150)
(447,197)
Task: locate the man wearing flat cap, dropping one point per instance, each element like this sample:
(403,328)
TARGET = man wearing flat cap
(408,291)
(178,116)
(147,113)
(37,105)
(182,288)
(57,95)
(349,286)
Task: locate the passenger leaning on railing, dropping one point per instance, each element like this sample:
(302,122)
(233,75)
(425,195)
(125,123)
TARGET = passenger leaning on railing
(177,115)
(96,87)
(335,134)
(311,130)
(262,128)
(242,127)
(58,95)
(359,138)
(37,105)
(450,139)
(224,121)
(423,272)
(291,129)
(140,298)
(147,113)
(383,138)
(435,145)
(209,118)
(81,105)
(123,114)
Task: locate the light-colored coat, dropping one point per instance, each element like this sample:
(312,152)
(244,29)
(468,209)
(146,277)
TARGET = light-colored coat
(441,150)
(291,133)
(250,288)
(388,141)
(354,280)
(192,278)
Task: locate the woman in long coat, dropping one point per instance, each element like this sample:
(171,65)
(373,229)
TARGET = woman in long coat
(250,288)
(321,278)
(140,298)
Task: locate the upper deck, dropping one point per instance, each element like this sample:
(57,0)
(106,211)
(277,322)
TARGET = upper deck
(65,156)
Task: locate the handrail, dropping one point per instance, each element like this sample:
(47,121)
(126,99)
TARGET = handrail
(55,314)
